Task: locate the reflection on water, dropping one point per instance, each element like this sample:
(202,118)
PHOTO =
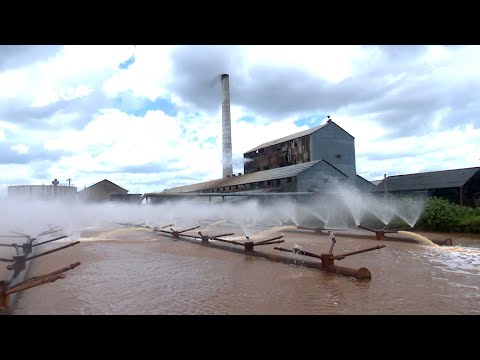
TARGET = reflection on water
(134,272)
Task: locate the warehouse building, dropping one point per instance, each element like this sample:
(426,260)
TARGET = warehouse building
(459,186)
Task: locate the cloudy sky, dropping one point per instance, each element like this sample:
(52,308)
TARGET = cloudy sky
(149,117)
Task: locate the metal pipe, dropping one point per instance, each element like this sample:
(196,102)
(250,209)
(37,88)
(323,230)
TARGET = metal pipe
(301,252)
(52,251)
(221,235)
(364,228)
(55,239)
(34,283)
(361,273)
(445,242)
(268,240)
(182,231)
(343,256)
(53,273)
(229,241)
(269,243)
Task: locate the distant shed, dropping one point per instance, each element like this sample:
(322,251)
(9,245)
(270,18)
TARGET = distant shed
(459,186)
(101,191)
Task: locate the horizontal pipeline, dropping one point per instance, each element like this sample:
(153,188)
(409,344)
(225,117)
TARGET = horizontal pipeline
(361,273)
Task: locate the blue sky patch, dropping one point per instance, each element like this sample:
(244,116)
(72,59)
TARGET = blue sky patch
(138,106)
(310,121)
(247,119)
(124,65)
(210,140)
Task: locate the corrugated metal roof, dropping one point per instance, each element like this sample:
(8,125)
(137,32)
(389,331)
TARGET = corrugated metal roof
(287,138)
(294,136)
(272,174)
(100,182)
(360,178)
(428,180)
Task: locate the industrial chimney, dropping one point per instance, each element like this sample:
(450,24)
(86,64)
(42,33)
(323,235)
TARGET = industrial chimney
(226,128)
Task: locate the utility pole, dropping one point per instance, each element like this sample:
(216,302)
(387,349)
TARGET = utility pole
(385,183)
(69,180)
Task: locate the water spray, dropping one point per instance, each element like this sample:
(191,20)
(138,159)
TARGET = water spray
(380,235)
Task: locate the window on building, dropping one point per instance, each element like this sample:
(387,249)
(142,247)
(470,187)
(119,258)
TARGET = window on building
(289,180)
(277,182)
(269,182)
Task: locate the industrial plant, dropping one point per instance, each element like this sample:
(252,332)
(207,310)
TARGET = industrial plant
(308,162)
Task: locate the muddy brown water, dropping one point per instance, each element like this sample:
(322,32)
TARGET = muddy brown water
(135,272)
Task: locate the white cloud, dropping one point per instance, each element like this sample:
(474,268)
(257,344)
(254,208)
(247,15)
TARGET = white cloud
(331,62)
(47,95)
(20,148)
(72,73)
(146,77)
(425,117)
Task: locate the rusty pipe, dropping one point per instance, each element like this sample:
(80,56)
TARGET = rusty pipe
(364,228)
(49,231)
(445,242)
(55,239)
(343,256)
(269,243)
(361,273)
(182,231)
(229,241)
(301,252)
(268,240)
(53,273)
(221,235)
(52,251)
(305,228)
(192,236)
(34,283)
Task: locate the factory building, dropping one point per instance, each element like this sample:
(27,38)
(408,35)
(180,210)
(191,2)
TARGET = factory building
(309,161)
(313,176)
(459,186)
(102,191)
(327,142)
(42,192)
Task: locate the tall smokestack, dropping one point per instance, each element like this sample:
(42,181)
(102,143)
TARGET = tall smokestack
(226,128)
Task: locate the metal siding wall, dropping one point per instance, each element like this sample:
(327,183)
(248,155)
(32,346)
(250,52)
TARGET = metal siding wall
(42,192)
(332,140)
(101,192)
(315,177)
(363,185)
(279,155)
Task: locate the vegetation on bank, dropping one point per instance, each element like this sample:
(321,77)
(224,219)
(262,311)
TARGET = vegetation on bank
(442,215)
(438,215)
